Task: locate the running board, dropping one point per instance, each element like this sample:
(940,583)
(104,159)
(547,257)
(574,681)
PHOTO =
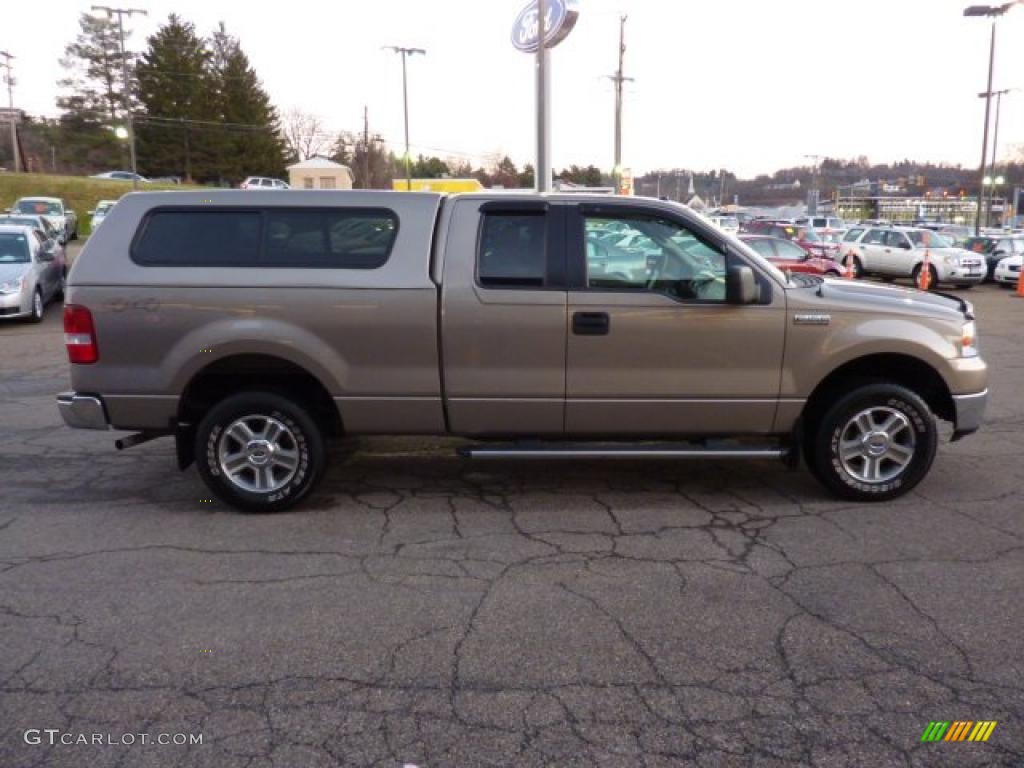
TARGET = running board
(671,451)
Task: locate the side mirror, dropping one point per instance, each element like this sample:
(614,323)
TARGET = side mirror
(741,286)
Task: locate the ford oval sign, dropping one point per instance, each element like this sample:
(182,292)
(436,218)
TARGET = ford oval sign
(560,18)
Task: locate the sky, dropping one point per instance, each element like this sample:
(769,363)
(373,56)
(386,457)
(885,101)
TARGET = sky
(746,85)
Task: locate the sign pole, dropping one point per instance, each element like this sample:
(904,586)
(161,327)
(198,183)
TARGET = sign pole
(542,173)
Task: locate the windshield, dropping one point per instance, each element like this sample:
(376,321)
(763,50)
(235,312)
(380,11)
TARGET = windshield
(923,238)
(13,248)
(39,207)
(980,244)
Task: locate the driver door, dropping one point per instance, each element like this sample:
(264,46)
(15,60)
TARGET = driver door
(653,349)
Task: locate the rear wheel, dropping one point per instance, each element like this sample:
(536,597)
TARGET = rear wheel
(259,452)
(876,443)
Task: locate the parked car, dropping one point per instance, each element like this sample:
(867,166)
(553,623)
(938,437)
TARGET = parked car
(806,238)
(820,222)
(32,272)
(262,182)
(37,222)
(99,213)
(121,176)
(288,320)
(787,255)
(1007,271)
(728,224)
(957,234)
(54,210)
(994,249)
(900,252)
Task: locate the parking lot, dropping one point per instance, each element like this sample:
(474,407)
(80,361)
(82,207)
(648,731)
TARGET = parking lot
(423,610)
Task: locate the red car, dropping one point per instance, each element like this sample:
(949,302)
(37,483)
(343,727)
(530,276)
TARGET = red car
(786,254)
(806,238)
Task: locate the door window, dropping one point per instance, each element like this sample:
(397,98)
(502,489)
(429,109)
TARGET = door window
(657,256)
(512,251)
(853,234)
(790,251)
(763,247)
(897,240)
(874,237)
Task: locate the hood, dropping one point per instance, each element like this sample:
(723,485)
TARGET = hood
(12,271)
(858,296)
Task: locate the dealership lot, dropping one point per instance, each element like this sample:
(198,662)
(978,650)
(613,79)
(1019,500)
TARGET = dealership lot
(424,610)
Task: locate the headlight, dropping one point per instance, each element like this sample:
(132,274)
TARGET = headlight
(11,286)
(968,340)
(951,261)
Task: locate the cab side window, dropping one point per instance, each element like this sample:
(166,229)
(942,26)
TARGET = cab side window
(654,255)
(512,251)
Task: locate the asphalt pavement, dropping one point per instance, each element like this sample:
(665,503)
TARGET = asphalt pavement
(423,610)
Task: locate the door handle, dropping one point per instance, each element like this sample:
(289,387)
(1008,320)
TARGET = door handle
(591,323)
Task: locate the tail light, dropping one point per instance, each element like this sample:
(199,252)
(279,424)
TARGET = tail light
(80,335)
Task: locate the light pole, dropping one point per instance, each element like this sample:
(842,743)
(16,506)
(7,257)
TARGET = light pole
(125,94)
(405,100)
(9,79)
(995,139)
(993,12)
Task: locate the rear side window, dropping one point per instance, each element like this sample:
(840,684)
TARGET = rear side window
(199,239)
(334,239)
(275,237)
(512,250)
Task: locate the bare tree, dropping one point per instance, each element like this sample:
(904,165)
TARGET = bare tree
(303,134)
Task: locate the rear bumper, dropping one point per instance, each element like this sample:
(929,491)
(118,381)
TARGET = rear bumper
(82,411)
(970,412)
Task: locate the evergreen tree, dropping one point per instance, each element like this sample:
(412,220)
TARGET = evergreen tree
(93,94)
(251,144)
(178,137)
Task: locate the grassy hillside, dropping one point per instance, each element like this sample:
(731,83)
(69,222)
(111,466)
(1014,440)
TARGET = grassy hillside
(79,192)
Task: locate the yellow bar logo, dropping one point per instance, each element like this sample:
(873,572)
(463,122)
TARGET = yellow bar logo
(958,730)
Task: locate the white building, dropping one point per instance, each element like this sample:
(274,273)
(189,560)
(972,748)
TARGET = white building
(319,173)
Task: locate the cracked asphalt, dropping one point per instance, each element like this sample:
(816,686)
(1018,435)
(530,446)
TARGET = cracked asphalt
(423,610)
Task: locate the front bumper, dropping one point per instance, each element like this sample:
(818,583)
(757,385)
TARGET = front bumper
(82,411)
(970,412)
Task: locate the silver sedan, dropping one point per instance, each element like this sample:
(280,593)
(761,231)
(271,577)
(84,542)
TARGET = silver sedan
(31,273)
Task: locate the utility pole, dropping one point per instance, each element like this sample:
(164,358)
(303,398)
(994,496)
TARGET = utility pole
(405,52)
(618,78)
(366,147)
(9,79)
(126,92)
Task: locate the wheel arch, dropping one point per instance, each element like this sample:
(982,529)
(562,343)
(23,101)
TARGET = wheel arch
(905,370)
(249,371)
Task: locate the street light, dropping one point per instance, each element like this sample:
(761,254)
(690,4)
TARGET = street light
(993,12)
(405,100)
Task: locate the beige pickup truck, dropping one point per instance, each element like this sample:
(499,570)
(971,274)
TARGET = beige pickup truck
(253,327)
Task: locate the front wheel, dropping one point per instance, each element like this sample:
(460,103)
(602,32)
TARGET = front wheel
(38,307)
(259,452)
(876,443)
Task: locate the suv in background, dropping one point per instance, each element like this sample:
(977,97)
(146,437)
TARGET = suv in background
(994,249)
(262,182)
(900,252)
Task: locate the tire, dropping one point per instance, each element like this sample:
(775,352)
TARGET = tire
(932,283)
(873,470)
(273,426)
(74,233)
(38,307)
